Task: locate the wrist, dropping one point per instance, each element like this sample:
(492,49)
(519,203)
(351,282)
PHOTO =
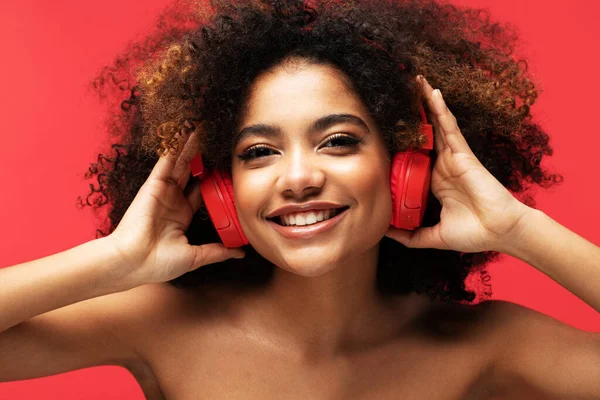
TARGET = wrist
(116,272)
(516,242)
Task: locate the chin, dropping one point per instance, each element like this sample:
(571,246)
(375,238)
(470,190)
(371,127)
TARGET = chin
(309,262)
(309,270)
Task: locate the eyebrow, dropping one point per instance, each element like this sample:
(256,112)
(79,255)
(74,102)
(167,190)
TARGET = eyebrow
(317,125)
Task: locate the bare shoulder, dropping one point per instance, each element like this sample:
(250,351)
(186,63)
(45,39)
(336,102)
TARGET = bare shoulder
(521,324)
(520,349)
(157,307)
(161,312)
(517,331)
(463,322)
(144,309)
(175,327)
(502,319)
(533,351)
(157,313)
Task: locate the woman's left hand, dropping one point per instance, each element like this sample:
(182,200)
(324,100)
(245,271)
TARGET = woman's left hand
(478,212)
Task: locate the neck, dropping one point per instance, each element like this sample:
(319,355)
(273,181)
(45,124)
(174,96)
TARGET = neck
(333,313)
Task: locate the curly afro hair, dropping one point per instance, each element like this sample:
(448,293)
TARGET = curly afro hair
(197,65)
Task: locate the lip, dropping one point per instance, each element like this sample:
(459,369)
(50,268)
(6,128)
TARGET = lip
(305,232)
(313,205)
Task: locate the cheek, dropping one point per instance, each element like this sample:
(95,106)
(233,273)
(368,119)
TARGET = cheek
(248,190)
(367,182)
(373,188)
(376,185)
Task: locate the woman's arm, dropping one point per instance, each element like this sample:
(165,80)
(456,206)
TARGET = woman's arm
(89,270)
(564,256)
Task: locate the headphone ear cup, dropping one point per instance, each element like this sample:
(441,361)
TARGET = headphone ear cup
(397,183)
(410,180)
(217,194)
(230,203)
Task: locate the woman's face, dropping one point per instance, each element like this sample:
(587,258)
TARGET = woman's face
(290,163)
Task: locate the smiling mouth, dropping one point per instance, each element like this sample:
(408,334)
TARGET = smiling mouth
(336,211)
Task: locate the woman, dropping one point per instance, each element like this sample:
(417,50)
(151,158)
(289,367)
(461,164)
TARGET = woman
(358,310)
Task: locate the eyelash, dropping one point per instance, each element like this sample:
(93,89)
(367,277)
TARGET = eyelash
(250,153)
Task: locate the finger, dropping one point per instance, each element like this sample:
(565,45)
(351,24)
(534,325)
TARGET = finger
(193,194)
(163,168)
(421,238)
(427,238)
(401,236)
(191,147)
(439,140)
(183,181)
(448,126)
(214,252)
(169,167)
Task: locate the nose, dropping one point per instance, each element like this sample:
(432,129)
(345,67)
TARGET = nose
(300,174)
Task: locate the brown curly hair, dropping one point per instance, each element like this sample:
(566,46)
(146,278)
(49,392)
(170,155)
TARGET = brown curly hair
(197,66)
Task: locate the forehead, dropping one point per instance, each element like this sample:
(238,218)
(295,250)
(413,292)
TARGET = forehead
(300,92)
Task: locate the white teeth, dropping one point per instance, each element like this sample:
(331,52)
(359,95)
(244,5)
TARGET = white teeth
(306,218)
(320,216)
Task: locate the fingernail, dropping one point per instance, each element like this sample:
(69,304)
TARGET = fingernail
(240,255)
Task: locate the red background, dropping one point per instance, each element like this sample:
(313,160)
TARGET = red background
(50,50)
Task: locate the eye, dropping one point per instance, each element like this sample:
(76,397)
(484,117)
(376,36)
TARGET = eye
(261,151)
(253,152)
(345,140)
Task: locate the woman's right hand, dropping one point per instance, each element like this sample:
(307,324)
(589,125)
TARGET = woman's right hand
(151,235)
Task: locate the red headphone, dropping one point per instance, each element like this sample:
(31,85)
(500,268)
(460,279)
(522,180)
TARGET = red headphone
(410,179)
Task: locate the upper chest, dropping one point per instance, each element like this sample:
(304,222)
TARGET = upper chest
(195,359)
(233,369)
